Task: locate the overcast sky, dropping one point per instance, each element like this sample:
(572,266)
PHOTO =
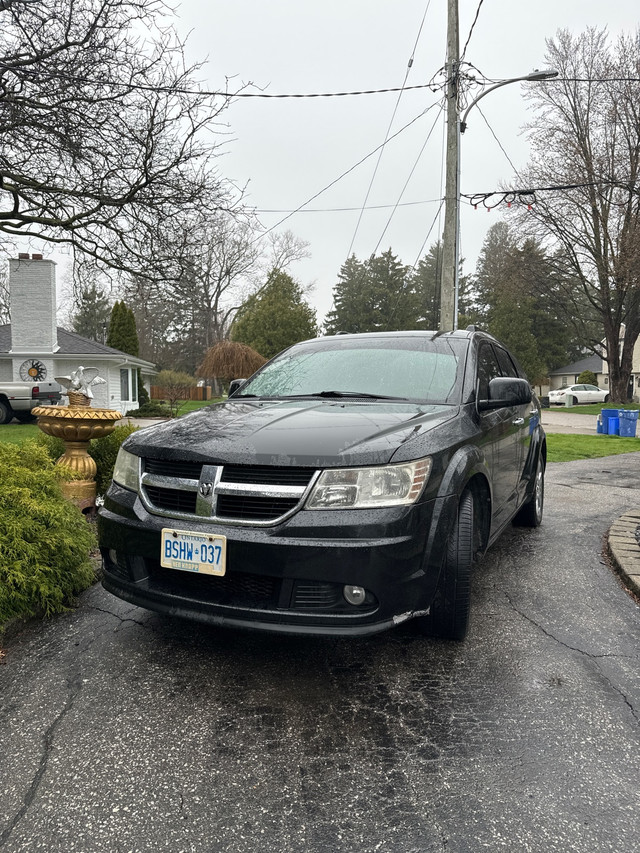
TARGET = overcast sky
(286,151)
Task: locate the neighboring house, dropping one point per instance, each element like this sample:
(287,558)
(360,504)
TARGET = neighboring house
(568,375)
(33,348)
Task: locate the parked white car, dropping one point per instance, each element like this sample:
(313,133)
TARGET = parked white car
(580,394)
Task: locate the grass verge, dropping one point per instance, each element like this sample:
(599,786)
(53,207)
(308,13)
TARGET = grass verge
(567,448)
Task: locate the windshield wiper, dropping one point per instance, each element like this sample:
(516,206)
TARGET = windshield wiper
(349,394)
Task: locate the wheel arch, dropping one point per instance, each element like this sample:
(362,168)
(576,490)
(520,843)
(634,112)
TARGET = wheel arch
(467,469)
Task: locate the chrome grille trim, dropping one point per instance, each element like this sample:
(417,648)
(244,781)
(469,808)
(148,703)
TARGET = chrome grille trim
(206,507)
(163,482)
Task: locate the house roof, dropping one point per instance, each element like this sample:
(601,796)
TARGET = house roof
(592,363)
(71,344)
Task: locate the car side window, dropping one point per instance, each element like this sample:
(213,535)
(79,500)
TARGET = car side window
(507,366)
(488,369)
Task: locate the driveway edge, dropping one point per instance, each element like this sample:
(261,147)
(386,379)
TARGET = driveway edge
(624,548)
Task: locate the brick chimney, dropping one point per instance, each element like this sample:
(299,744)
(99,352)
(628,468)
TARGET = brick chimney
(32,294)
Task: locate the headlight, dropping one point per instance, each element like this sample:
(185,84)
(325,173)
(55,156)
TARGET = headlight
(126,471)
(364,488)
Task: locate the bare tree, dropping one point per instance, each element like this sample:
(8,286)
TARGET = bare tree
(586,142)
(103,136)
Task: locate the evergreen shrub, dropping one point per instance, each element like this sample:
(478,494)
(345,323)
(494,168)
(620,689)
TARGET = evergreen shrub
(152,409)
(104,452)
(587,377)
(46,541)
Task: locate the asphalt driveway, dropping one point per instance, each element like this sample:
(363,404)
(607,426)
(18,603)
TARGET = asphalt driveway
(124,731)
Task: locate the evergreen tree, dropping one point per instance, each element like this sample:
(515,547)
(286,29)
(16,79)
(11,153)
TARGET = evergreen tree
(511,287)
(376,295)
(276,317)
(92,315)
(122,330)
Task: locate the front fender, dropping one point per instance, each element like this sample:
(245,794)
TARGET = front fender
(466,463)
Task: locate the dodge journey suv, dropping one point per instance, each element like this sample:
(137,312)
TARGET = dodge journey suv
(346,487)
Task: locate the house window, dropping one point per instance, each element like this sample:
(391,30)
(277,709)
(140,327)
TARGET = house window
(124,383)
(134,385)
(606,380)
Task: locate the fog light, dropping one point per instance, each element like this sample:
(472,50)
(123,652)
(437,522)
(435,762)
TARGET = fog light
(354,594)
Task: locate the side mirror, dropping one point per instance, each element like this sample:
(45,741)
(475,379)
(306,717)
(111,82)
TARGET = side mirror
(506,391)
(235,385)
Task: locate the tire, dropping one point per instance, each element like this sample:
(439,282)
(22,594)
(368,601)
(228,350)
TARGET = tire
(530,513)
(449,615)
(573,401)
(6,413)
(25,417)
(606,399)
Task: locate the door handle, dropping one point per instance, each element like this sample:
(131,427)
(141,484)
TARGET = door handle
(518,422)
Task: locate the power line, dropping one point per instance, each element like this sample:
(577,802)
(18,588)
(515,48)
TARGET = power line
(466,44)
(391,120)
(406,183)
(492,199)
(345,173)
(498,141)
(347,209)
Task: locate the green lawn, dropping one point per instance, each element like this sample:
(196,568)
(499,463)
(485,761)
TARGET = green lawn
(565,448)
(15,433)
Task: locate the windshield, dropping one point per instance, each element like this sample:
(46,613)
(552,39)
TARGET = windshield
(408,368)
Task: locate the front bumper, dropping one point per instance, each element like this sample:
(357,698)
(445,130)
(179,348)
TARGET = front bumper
(287,578)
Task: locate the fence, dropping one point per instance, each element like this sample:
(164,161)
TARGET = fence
(198,392)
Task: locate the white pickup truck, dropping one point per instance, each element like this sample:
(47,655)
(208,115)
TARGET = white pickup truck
(18,398)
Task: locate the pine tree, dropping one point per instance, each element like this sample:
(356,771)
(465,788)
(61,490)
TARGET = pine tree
(122,330)
(276,317)
(92,315)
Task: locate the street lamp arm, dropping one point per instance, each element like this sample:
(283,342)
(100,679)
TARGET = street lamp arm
(535,75)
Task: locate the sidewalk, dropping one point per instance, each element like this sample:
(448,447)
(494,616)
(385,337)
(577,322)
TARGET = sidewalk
(565,421)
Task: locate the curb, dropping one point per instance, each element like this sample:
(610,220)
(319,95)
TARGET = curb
(624,548)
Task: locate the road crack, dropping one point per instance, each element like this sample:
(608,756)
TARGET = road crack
(73,689)
(593,657)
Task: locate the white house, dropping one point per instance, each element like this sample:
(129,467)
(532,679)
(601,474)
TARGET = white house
(34,349)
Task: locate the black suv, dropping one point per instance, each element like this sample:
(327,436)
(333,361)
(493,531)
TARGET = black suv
(346,487)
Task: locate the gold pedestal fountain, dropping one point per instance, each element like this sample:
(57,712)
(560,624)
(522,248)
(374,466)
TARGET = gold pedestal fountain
(76,424)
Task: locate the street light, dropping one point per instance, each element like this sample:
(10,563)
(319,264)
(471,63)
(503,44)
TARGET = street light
(449,278)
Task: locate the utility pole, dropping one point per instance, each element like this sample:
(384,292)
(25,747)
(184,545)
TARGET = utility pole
(449,272)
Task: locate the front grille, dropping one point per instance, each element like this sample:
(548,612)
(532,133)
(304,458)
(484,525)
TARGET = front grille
(172,500)
(266,475)
(238,494)
(235,589)
(173,468)
(247,507)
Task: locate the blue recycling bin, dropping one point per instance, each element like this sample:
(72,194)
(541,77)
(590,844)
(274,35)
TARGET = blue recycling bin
(628,422)
(606,415)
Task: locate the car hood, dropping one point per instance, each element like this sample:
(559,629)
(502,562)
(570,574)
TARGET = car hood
(318,433)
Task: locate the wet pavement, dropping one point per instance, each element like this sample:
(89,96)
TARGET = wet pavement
(124,731)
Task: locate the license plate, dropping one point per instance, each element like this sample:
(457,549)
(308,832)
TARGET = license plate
(193,552)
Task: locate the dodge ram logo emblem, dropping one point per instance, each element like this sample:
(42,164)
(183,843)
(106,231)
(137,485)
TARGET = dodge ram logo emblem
(206,489)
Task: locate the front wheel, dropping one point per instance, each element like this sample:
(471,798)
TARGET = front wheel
(606,399)
(449,614)
(6,413)
(530,513)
